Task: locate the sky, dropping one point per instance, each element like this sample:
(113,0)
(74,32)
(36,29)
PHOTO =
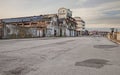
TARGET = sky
(96,13)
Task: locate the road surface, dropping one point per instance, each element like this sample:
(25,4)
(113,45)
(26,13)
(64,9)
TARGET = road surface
(59,56)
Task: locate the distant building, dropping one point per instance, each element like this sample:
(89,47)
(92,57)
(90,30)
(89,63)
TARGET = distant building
(80,25)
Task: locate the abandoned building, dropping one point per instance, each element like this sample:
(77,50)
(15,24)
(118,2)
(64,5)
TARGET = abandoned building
(80,25)
(48,25)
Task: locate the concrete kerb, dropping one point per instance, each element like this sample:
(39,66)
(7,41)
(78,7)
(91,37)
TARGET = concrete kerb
(115,41)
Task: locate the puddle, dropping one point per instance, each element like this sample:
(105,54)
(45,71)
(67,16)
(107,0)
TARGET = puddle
(93,63)
(104,46)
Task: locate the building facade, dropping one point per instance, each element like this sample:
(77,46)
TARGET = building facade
(80,25)
(67,23)
(64,13)
(48,25)
(34,26)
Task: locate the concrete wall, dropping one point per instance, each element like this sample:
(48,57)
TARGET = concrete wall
(67,32)
(115,36)
(118,36)
(9,31)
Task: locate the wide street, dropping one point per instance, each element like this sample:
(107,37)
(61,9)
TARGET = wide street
(59,56)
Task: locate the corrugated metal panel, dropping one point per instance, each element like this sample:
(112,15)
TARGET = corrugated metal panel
(23,19)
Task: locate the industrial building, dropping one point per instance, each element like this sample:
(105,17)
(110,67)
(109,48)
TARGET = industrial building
(48,25)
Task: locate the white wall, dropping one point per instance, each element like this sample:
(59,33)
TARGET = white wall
(67,32)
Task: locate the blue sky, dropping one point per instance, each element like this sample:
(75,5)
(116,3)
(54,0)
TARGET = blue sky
(94,12)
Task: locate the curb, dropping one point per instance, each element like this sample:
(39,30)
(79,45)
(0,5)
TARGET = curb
(114,41)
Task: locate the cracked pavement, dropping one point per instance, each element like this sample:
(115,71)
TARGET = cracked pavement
(59,56)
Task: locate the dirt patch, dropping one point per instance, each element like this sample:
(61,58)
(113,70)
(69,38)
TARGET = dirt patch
(93,63)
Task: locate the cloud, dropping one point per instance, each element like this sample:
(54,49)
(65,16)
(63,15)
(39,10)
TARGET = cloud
(106,13)
(94,3)
(92,11)
(18,8)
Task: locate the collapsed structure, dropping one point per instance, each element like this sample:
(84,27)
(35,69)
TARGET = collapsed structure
(49,25)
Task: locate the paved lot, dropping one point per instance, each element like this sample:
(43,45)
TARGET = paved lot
(59,56)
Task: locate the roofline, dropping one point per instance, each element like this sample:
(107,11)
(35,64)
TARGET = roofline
(26,16)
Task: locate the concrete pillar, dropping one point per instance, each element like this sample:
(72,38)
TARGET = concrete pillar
(4,32)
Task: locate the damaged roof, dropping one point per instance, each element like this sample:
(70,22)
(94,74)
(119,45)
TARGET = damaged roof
(22,19)
(28,19)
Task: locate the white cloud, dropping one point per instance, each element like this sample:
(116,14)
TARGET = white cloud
(96,15)
(18,8)
(92,15)
(110,6)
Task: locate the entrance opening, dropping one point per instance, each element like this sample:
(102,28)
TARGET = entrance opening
(55,33)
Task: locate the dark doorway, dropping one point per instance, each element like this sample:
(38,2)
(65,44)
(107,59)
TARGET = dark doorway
(60,32)
(43,33)
(55,33)
(70,32)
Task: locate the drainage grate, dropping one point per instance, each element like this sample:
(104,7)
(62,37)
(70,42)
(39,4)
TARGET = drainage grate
(104,46)
(93,63)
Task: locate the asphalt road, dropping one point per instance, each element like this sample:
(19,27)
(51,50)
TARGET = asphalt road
(59,56)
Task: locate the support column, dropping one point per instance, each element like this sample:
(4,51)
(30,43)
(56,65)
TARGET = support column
(4,31)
